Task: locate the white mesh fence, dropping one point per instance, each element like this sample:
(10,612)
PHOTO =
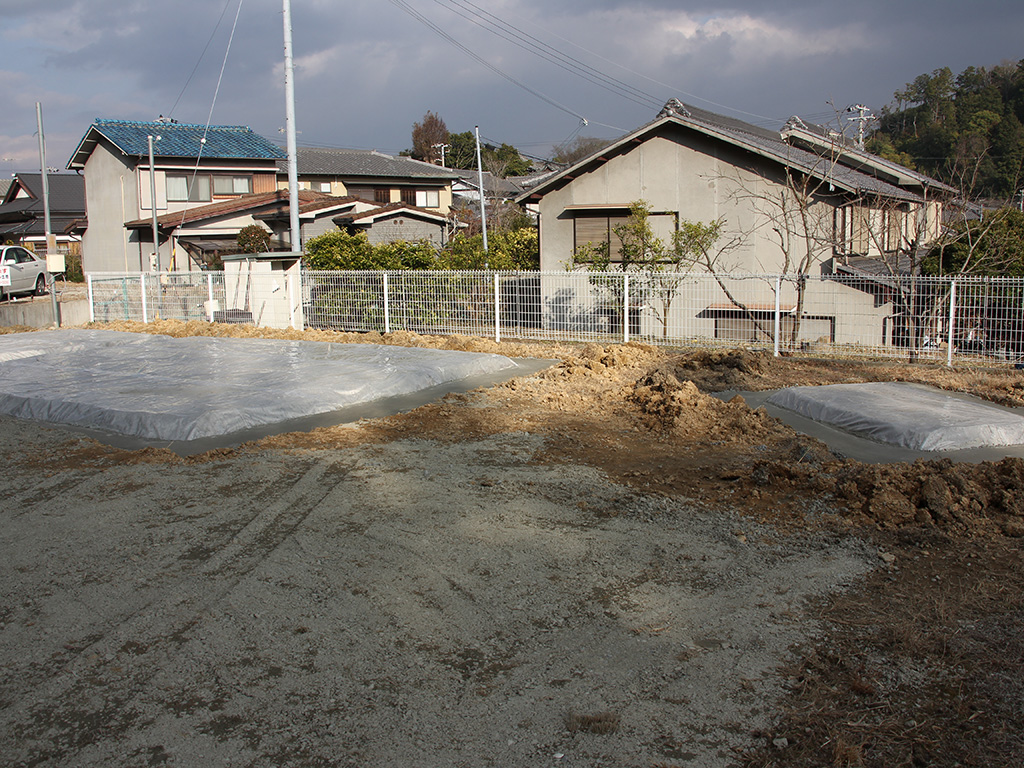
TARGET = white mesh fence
(896,316)
(148,297)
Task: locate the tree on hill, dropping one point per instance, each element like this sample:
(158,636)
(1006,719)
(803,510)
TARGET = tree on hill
(966,129)
(991,245)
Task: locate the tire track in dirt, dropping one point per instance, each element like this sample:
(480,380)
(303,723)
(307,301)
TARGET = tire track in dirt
(65,715)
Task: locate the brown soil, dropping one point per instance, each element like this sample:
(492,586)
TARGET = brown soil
(949,604)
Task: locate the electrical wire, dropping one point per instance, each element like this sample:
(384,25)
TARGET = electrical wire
(199,61)
(672,88)
(209,117)
(508,32)
(402,5)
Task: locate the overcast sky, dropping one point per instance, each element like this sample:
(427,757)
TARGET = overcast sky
(366,70)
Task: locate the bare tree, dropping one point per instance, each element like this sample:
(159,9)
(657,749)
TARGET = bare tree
(659,268)
(578,148)
(427,136)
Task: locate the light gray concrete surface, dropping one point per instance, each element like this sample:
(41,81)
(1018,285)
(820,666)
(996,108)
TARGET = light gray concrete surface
(37,312)
(403,604)
(857,446)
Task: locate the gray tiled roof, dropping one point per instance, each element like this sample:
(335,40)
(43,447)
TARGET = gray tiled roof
(314,161)
(763,142)
(66,191)
(771,144)
(871,266)
(801,132)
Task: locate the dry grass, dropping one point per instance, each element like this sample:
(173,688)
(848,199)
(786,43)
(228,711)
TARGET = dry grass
(924,666)
(600,723)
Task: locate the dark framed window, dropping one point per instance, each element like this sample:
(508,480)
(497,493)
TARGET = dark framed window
(188,189)
(232,185)
(598,228)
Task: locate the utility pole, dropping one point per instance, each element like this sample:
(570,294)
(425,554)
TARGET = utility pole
(480,181)
(442,147)
(861,119)
(289,127)
(155,261)
(51,242)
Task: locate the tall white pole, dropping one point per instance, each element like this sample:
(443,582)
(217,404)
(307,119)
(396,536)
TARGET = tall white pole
(51,243)
(152,200)
(289,128)
(480,181)
(46,181)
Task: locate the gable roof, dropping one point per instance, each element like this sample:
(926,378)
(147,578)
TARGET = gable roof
(180,140)
(744,136)
(820,138)
(237,205)
(496,185)
(391,209)
(66,191)
(24,215)
(313,161)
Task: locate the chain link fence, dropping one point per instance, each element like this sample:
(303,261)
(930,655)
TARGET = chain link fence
(915,318)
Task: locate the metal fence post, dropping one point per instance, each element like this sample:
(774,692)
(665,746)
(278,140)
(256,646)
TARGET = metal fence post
(497,308)
(387,306)
(778,314)
(142,285)
(92,299)
(209,293)
(625,308)
(952,322)
(291,302)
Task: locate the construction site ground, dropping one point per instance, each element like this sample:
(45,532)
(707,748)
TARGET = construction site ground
(598,564)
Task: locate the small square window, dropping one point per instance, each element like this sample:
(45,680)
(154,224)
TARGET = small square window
(428,198)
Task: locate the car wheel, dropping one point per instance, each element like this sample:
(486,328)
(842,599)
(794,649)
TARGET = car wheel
(40,289)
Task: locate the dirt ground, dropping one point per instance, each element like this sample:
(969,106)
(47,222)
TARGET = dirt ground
(599,564)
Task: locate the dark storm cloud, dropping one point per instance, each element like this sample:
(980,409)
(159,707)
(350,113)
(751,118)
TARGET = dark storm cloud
(365,70)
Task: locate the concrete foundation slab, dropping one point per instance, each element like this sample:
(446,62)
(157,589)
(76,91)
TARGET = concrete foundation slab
(896,421)
(199,393)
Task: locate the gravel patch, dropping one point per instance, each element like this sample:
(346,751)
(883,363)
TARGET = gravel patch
(405,603)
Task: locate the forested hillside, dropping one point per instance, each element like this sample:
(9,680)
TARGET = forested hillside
(966,129)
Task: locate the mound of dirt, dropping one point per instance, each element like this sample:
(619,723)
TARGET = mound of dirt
(668,404)
(956,498)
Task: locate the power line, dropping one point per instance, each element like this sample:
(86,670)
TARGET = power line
(672,88)
(510,33)
(201,55)
(402,5)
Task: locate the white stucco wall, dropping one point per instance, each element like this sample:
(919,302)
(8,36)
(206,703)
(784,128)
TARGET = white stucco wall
(704,181)
(701,181)
(111,198)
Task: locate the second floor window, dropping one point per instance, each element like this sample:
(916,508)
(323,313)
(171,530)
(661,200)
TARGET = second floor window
(182,189)
(232,185)
(428,198)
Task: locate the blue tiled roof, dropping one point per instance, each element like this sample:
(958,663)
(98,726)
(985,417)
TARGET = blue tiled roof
(236,142)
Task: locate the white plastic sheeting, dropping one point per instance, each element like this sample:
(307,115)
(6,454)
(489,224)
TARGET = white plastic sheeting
(909,415)
(163,388)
